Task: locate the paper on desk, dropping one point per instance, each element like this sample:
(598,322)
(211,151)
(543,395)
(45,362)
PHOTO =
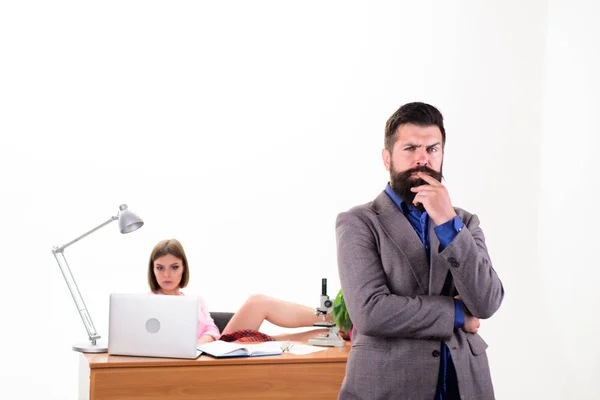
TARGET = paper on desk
(302,349)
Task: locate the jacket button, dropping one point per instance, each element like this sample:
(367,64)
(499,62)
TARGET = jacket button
(453,262)
(435,353)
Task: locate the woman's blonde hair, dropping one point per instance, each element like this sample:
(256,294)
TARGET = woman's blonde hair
(162,248)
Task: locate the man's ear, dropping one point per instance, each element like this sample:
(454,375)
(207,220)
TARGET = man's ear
(386,156)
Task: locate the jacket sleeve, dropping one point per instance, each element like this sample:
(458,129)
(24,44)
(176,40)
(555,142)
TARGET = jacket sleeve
(474,278)
(373,309)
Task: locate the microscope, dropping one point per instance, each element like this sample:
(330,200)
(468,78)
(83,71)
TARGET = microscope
(332,338)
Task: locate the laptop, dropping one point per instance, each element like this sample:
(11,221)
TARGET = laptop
(151,325)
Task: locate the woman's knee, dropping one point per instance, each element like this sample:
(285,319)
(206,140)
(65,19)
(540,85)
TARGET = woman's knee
(258,300)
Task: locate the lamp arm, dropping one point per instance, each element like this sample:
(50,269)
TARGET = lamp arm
(64,246)
(77,298)
(73,288)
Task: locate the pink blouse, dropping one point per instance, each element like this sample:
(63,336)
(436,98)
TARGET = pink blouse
(206,325)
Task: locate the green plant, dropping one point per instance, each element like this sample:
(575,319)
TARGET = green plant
(340,313)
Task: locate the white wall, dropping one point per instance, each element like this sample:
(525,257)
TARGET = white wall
(568,218)
(242,130)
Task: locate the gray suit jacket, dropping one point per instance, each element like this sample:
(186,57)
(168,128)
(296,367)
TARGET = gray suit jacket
(393,296)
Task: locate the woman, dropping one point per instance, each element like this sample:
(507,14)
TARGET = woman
(168,272)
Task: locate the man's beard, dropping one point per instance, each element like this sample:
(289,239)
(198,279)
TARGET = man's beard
(402,182)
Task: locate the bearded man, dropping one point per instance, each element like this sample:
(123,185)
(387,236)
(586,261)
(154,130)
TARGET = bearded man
(416,277)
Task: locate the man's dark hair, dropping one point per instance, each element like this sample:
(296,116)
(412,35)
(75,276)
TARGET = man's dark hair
(420,114)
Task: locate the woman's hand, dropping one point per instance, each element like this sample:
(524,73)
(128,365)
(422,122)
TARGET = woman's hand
(205,339)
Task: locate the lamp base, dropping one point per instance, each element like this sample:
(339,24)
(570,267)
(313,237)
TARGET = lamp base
(87,347)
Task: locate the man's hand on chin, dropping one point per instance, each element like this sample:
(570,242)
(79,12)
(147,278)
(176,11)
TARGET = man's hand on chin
(435,198)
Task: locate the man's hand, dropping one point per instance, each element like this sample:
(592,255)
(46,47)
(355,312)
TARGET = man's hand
(471,323)
(435,199)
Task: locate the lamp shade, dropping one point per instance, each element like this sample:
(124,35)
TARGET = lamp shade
(128,221)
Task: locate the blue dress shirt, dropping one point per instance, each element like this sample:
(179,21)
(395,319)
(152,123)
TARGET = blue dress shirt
(447,383)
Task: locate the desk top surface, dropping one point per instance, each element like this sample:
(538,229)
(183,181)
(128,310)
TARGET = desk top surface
(104,360)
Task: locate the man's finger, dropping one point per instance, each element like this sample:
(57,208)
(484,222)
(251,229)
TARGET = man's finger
(428,178)
(419,198)
(423,188)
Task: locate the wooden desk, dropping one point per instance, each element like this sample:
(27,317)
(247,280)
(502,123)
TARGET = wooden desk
(313,376)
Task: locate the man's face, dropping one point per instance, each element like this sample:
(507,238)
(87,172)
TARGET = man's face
(417,149)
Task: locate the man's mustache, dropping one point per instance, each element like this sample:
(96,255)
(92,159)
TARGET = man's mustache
(406,175)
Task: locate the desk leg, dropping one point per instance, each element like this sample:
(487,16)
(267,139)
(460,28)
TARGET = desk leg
(84,379)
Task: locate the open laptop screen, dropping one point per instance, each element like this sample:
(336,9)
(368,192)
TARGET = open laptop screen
(153,326)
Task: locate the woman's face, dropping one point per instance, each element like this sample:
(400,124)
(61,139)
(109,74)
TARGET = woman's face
(168,271)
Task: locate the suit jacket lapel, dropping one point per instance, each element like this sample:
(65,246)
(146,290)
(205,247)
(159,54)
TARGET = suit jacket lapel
(402,234)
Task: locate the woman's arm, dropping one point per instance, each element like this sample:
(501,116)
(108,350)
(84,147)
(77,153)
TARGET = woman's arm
(205,339)
(206,325)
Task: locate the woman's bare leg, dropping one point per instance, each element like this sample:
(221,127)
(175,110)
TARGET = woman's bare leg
(259,308)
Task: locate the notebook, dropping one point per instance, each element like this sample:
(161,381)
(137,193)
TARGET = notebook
(220,349)
(153,325)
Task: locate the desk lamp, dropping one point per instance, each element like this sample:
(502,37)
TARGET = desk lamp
(128,222)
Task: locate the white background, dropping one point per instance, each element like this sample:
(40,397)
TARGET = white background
(243,128)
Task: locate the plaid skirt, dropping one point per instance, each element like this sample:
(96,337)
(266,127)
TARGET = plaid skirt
(246,336)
